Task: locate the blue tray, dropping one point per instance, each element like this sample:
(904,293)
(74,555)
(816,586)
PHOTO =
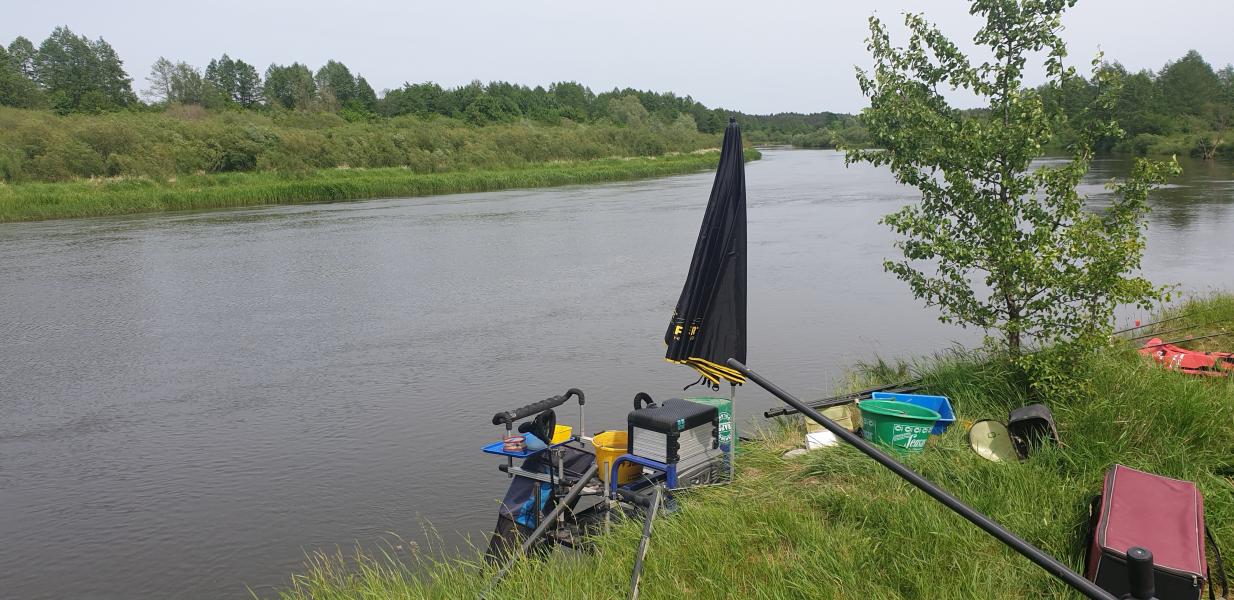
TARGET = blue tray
(499,448)
(938,404)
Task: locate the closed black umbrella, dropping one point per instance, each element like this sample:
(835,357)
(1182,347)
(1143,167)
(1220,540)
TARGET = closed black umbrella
(709,324)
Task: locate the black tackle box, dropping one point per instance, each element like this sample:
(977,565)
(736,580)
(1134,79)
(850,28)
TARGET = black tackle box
(677,432)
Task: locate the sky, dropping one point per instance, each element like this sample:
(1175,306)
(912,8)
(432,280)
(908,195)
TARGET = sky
(754,57)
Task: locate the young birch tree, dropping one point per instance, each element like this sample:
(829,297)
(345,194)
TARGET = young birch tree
(995,241)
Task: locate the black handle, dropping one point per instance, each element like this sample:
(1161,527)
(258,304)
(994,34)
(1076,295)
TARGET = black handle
(643,397)
(510,416)
(1140,574)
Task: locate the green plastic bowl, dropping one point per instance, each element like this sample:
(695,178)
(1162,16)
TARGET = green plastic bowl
(902,426)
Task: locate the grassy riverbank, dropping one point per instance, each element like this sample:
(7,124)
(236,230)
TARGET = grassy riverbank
(833,524)
(99,197)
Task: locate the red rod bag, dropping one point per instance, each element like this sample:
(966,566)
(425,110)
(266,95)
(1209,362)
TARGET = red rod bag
(1165,516)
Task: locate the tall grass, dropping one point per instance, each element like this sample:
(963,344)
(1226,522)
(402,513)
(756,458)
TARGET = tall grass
(833,524)
(39,146)
(34,201)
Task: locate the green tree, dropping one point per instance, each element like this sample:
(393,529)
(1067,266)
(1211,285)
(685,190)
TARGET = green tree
(161,74)
(289,87)
(221,74)
(366,98)
(1188,84)
(420,99)
(486,109)
(573,99)
(246,85)
(81,75)
(1007,246)
(1140,106)
(336,86)
(629,111)
(16,89)
(188,86)
(22,53)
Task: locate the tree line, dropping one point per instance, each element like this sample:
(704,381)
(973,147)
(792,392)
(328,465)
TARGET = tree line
(69,73)
(1185,108)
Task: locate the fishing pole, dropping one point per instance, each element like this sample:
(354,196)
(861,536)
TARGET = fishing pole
(845,398)
(1182,316)
(1175,330)
(1190,339)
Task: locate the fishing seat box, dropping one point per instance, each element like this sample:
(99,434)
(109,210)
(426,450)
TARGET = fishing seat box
(1164,516)
(677,432)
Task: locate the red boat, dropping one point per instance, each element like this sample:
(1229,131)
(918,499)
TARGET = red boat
(1208,364)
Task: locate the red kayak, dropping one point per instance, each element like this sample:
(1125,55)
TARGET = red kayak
(1208,364)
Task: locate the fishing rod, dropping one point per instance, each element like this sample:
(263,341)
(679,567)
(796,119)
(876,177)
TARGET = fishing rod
(1182,316)
(1175,330)
(1190,339)
(1029,551)
(903,386)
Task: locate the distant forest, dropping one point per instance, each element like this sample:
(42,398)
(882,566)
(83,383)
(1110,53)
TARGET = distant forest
(69,73)
(1184,108)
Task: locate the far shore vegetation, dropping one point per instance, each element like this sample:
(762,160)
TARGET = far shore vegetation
(118,196)
(70,112)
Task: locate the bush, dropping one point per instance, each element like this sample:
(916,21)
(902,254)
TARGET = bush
(182,140)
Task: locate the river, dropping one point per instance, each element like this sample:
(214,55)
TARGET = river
(190,402)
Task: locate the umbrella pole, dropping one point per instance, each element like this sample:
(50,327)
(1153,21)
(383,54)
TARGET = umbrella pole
(732,434)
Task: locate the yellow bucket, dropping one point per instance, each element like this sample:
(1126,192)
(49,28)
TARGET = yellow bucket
(609,445)
(561,433)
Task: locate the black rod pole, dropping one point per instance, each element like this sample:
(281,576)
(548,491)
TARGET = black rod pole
(785,411)
(1175,330)
(1191,339)
(1182,316)
(843,398)
(1029,551)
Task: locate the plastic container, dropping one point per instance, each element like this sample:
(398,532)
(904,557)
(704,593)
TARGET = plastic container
(727,426)
(610,445)
(561,433)
(938,404)
(817,436)
(902,426)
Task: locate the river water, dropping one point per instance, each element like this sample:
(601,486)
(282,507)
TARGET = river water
(191,402)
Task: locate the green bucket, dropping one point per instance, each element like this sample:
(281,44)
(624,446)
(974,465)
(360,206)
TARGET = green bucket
(903,426)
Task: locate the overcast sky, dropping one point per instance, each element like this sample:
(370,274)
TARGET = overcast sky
(754,56)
